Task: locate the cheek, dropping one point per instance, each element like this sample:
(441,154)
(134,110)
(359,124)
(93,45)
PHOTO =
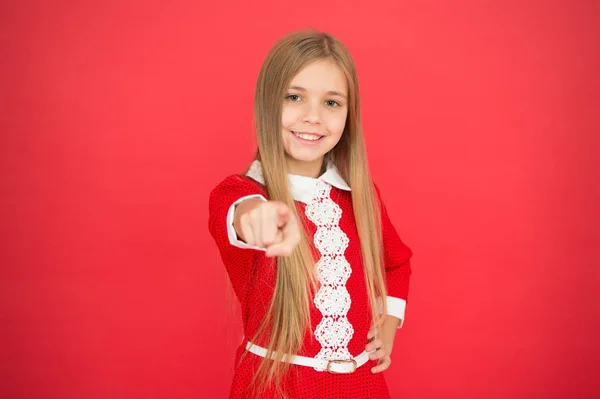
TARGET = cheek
(337,124)
(288,116)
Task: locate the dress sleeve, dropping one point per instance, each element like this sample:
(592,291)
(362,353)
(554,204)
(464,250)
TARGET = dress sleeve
(397,266)
(238,257)
(231,233)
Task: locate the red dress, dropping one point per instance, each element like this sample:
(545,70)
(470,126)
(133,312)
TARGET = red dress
(343,301)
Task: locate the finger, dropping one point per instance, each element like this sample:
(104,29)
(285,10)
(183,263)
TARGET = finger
(281,249)
(372,333)
(384,364)
(283,215)
(278,237)
(247,229)
(255,223)
(378,354)
(291,238)
(273,249)
(375,344)
(291,231)
(268,225)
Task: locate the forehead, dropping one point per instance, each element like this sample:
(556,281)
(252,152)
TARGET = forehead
(321,76)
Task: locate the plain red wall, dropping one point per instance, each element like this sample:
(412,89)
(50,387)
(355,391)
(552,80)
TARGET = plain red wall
(118,118)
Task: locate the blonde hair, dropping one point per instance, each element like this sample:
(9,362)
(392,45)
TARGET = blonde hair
(289,312)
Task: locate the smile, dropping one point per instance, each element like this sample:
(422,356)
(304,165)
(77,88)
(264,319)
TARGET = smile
(306,136)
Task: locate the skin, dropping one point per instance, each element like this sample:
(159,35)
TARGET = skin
(316,102)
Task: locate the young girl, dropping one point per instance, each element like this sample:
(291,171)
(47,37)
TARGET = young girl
(313,258)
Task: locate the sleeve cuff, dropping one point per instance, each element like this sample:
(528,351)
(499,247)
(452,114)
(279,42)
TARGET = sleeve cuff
(233,240)
(396,307)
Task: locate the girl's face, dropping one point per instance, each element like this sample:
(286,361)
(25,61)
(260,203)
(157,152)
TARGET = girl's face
(314,115)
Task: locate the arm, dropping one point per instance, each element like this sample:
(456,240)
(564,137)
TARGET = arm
(237,209)
(397,273)
(397,268)
(388,333)
(270,226)
(381,345)
(237,257)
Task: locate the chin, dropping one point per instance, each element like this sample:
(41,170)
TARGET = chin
(304,157)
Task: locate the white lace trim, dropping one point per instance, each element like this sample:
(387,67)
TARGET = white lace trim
(333,270)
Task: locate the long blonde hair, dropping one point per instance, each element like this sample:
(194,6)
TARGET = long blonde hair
(289,312)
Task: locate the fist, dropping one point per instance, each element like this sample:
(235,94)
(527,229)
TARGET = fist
(270,225)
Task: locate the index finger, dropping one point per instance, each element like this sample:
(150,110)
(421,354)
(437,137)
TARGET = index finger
(291,238)
(269,226)
(372,333)
(284,215)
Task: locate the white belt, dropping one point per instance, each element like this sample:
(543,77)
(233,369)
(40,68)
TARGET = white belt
(335,366)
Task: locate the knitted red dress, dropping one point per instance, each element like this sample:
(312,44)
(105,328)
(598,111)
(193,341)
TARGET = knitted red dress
(340,310)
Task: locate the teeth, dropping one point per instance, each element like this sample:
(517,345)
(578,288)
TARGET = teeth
(308,136)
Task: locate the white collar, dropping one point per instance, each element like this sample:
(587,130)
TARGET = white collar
(303,187)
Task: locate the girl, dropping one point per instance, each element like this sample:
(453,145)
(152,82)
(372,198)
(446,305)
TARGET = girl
(308,246)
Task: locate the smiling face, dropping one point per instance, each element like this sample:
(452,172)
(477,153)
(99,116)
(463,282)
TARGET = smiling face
(313,116)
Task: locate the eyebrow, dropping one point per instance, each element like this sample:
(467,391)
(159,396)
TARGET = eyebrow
(329,93)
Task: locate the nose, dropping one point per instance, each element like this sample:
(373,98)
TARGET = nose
(311,113)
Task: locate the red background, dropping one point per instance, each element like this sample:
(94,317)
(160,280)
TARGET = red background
(118,118)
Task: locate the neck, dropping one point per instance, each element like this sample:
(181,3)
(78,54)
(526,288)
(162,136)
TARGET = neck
(302,168)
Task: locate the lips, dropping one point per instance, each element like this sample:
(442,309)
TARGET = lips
(307,136)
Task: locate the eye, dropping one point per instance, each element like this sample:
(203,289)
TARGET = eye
(293,97)
(332,103)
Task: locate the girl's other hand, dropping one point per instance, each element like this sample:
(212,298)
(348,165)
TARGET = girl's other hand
(267,224)
(381,353)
